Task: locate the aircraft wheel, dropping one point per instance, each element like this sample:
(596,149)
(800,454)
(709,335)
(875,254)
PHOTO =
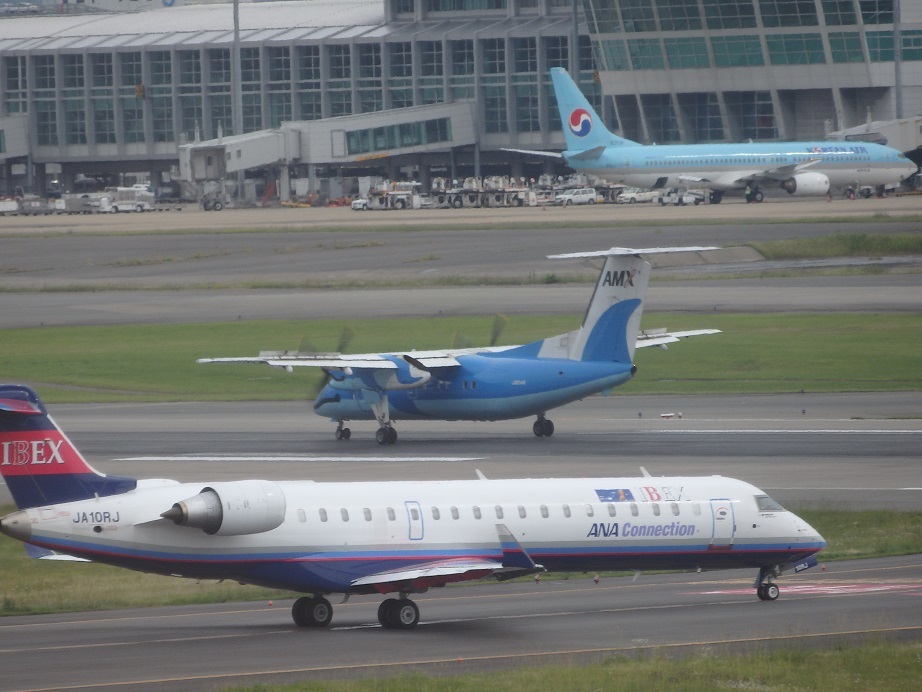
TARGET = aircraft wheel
(312,612)
(538,429)
(391,435)
(381,436)
(400,614)
(770,592)
(347,433)
(338,434)
(385,610)
(548,427)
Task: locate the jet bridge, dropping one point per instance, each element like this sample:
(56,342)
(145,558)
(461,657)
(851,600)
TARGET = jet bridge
(343,141)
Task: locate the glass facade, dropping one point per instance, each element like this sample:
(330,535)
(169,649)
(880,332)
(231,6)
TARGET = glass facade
(671,70)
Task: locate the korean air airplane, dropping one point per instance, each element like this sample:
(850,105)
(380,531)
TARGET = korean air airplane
(399,537)
(494,382)
(799,168)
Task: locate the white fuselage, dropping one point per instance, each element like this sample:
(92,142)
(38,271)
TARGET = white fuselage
(332,534)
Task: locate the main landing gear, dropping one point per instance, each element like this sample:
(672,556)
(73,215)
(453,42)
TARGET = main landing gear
(342,433)
(398,614)
(754,195)
(386,435)
(766,589)
(393,613)
(312,612)
(543,427)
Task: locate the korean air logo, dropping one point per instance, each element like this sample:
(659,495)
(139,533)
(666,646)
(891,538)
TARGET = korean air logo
(580,122)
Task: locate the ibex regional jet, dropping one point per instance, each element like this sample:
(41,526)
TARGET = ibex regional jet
(494,383)
(800,168)
(380,538)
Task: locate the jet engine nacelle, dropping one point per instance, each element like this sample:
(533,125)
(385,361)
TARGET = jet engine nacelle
(236,508)
(806,184)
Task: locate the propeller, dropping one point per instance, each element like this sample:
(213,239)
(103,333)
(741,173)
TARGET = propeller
(499,324)
(307,347)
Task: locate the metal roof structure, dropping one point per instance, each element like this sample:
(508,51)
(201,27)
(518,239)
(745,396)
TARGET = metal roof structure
(194,24)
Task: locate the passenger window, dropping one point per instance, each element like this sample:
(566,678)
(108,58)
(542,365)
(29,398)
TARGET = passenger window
(675,508)
(544,512)
(655,509)
(476,512)
(323,514)
(611,509)
(391,514)
(435,513)
(414,514)
(344,513)
(499,512)
(521,512)
(302,517)
(454,513)
(634,511)
(566,511)
(589,511)
(367,513)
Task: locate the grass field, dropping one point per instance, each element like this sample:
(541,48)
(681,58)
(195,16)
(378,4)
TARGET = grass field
(755,353)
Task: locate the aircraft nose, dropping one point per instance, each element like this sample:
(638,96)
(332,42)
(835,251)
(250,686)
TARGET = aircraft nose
(17,525)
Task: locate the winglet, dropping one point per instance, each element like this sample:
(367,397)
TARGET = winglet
(516,561)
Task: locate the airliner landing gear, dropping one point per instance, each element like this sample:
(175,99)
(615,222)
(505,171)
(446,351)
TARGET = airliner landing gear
(766,589)
(543,427)
(385,434)
(755,195)
(398,614)
(312,612)
(342,433)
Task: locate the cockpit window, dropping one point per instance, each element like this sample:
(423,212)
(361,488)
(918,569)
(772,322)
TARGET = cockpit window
(767,504)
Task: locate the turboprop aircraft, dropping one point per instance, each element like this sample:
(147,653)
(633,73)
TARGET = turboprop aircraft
(400,537)
(495,383)
(799,168)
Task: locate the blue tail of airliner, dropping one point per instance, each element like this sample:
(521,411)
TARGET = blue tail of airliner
(583,129)
(40,465)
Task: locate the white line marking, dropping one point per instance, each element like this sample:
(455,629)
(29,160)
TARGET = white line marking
(775,431)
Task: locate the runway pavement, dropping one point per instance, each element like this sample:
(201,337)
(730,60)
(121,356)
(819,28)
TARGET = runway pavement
(466,629)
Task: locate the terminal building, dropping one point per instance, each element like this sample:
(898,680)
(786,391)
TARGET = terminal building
(424,88)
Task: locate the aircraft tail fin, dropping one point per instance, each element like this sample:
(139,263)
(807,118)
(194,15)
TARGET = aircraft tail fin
(583,129)
(612,320)
(40,465)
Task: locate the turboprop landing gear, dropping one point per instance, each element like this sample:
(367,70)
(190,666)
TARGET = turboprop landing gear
(386,435)
(543,427)
(398,614)
(313,611)
(342,433)
(766,589)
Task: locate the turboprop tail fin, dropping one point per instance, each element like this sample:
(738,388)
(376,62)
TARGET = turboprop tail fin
(612,321)
(40,465)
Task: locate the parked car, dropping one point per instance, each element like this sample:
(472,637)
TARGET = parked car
(360,204)
(579,195)
(633,195)
(680,198)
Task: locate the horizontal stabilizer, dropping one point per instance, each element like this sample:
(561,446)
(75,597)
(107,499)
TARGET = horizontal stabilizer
(535,152)
(589,154)
(664,337)
(623,251)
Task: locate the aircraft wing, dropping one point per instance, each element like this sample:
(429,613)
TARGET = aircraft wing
(433,573)
(739,178)
(662,337)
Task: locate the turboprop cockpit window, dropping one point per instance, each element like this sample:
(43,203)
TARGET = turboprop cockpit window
(767,504)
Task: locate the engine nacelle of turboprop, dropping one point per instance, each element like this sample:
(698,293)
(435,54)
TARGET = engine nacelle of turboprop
(806,184)
(235,508)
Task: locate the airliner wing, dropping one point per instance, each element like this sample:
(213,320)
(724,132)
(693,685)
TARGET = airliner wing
(662,337)
(433,573)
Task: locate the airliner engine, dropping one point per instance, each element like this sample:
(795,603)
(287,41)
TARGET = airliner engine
(806,184)
(236,508)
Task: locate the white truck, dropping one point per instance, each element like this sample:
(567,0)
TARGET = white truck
(135,198)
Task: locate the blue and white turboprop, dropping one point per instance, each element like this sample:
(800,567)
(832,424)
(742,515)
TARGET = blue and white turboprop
(496,382)
(401,537)
(799,168)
